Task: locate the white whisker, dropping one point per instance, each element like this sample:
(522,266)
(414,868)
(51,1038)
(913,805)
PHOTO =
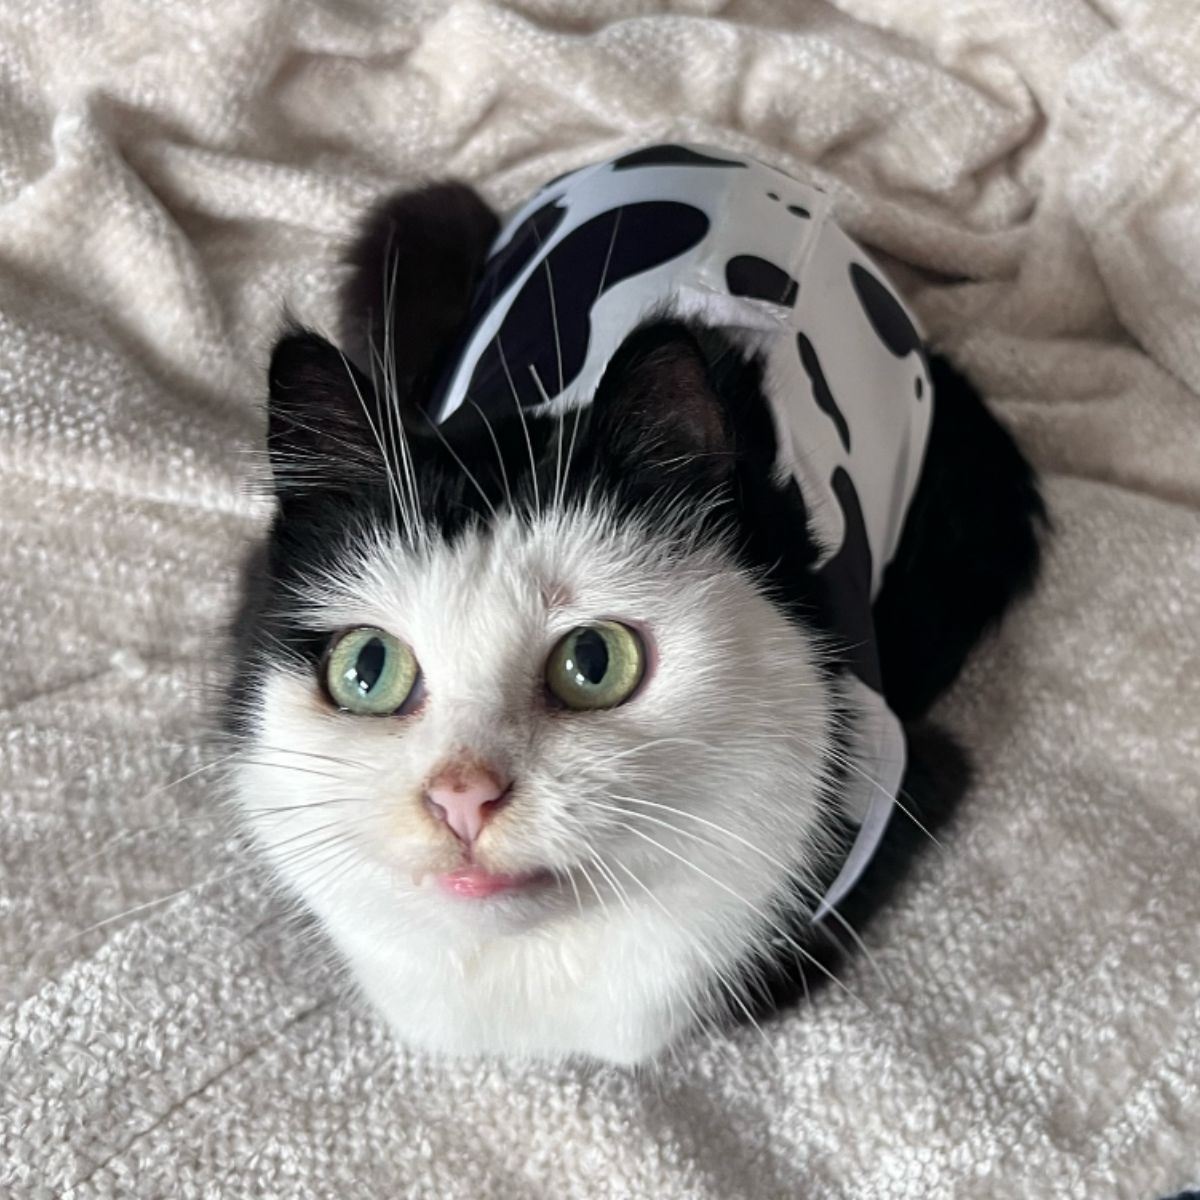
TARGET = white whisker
(537,503)
(387,462)
(719,975)
(758,912)
(591,883)
(392,399)
(496,446)
(788,872)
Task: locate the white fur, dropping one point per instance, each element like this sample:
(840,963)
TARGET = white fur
(732,727)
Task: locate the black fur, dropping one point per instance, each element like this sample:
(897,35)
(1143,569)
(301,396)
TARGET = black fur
(969,547)
(422,251)
(970,544)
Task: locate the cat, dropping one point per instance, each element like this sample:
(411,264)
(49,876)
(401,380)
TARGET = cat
(572,697)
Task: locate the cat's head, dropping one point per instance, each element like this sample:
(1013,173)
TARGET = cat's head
(522,676)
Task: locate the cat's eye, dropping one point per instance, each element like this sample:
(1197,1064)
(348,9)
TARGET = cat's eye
(596,666)
(369,671)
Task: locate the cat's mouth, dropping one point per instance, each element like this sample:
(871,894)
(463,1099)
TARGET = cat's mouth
(473,882)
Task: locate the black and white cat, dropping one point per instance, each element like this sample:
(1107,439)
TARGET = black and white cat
(614,567)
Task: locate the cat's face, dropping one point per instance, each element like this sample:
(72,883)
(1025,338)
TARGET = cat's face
(716,740)
(456,779)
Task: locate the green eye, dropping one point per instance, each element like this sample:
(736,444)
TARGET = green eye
(370,671)
(596,666)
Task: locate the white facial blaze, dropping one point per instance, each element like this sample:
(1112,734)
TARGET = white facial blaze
(670,821)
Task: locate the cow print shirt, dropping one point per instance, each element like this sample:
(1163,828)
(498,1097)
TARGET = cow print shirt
(698,234)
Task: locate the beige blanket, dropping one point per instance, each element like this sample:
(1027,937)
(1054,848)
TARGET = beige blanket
(171,172)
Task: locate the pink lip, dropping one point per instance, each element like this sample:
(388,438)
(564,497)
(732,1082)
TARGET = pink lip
(474,883)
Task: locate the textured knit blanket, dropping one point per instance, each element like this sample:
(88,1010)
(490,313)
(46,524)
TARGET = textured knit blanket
(1028,1021)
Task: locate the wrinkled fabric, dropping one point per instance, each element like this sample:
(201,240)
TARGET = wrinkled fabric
(1027,1022)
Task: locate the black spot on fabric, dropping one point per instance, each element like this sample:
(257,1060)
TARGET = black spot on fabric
(847,577)
(883,310)
(671,156)
(749,275)
(820,386)
(527,239)
(497,277)
(919,387)
(545,334)
(772,195)
(798,210)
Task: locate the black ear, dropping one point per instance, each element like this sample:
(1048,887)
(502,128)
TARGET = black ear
(325,424)
(659,409)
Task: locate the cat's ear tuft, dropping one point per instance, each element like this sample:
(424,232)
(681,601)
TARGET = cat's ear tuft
(323,414)
(660,410)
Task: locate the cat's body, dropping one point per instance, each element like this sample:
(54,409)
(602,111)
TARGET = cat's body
(510,861)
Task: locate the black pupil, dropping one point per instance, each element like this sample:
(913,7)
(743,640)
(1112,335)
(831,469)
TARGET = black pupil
(368,666)
(589,657)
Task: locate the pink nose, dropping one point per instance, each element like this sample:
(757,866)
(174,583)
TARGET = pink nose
(465,796)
